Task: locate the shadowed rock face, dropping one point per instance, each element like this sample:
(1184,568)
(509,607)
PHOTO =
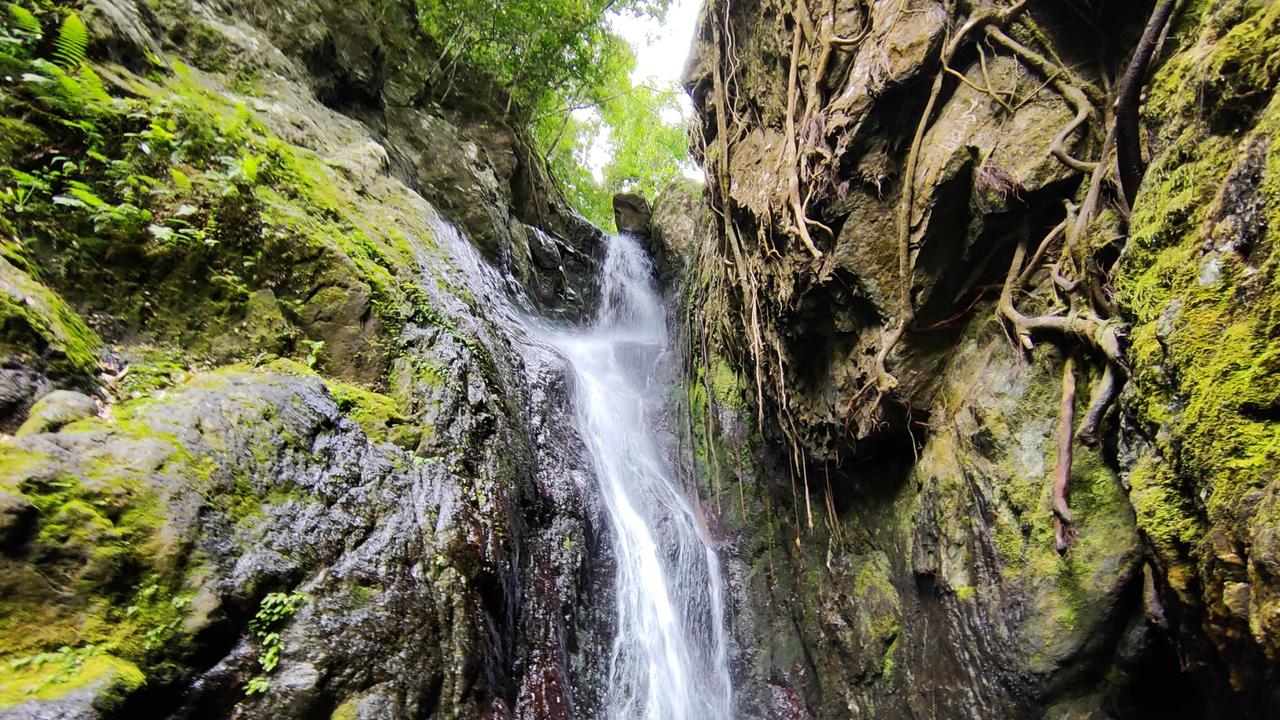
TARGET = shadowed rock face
(894,544)
(331,407)
(631,214)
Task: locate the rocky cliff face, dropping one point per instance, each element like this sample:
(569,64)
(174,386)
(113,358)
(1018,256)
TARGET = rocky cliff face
(946,233)
(299,461)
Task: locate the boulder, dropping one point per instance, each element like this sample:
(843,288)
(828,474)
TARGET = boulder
(631,213)
(57,409)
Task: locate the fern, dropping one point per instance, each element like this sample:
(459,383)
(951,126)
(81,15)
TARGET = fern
(24,21)
(71,46)
(91,84)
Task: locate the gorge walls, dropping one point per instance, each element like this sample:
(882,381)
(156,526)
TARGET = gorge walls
(920,264)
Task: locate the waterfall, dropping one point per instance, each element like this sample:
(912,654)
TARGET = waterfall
(669,657)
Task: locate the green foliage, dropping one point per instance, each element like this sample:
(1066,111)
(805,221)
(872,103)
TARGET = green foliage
(649,147)
(644,136)
(71,45)
(63,664)
(568,76)
(24,21)
(274,610)
(314,350)
(535,50)
(566,141)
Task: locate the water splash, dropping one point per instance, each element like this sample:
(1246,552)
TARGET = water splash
(669,659)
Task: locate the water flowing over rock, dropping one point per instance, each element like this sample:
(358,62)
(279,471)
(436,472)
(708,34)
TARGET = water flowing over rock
(669,657)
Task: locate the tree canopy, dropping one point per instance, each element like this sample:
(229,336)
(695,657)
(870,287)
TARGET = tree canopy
(567,75)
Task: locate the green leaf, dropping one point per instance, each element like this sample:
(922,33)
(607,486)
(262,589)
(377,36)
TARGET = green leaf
(92,84)
(68,201)
(180,179)
(71,46)
(161,233)
(24,21)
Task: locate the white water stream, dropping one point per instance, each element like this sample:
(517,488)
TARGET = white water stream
(669,656)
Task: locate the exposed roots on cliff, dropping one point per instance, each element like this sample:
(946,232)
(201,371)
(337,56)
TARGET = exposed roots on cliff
(1062,471)
(884,381)
(1067,265)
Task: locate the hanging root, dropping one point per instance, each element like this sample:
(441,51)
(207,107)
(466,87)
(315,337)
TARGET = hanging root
(1040,252)
(793,171)
(884,380)
(1062,518)
(1087,329)
(1061,80)
(1084,326)
(1104,394)
(1128,101)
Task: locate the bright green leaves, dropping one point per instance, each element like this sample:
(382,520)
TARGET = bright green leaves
(563,71)
(537,51)
(24,21)
(648,141)
(645,139)
(71,44)
(274,610)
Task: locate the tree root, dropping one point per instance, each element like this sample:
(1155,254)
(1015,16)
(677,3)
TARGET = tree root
(1069,89)
(1104,394)
(792,153)
(884,380)
(1040,253)
(1128,101)
(1084,326)
(1062,517)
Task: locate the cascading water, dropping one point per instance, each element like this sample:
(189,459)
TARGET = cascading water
(669,656)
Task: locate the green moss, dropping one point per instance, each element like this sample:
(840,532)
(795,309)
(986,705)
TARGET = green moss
(1206,310)
(725,387)
(248,229)
(101,535)
(34,320)
(150,370)
(49,676)
(890,659)
(376,414)
(1244,67)
(345,711)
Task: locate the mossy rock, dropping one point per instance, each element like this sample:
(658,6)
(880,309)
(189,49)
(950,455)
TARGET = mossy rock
(38,326)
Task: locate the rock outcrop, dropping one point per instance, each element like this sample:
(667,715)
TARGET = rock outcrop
(281,447)
(878,400)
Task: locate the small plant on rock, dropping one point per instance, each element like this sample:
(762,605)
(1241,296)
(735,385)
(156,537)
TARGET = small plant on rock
(276,608)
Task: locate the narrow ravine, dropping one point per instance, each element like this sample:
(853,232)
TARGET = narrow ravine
(669,655)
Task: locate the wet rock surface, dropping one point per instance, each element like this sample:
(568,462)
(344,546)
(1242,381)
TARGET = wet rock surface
(345,487)
(892,534)
(632,214)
